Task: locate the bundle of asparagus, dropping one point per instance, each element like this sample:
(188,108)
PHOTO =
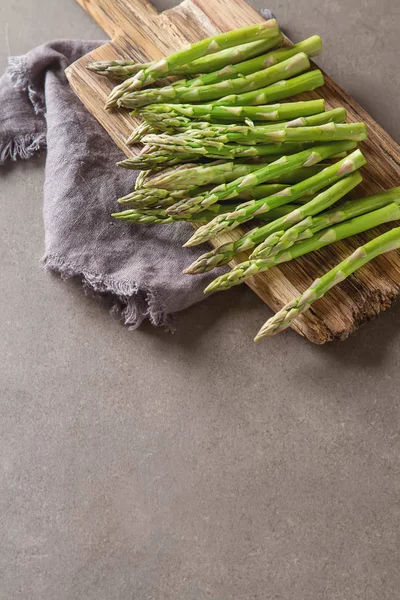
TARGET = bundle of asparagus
(221,149)
(267,31)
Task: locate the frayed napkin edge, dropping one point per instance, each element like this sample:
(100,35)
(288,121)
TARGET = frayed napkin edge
(22,147)
(18,73)
(132,304)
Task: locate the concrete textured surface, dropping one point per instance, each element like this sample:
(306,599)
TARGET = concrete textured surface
(138,466)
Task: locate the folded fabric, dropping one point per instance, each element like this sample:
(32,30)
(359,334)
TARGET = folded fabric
(141,267)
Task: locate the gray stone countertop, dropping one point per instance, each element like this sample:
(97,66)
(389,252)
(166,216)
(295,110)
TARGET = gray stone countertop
(138,466)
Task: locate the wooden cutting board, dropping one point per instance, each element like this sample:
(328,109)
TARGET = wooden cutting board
(138,31)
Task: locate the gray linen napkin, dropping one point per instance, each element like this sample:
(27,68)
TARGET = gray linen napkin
(141,267)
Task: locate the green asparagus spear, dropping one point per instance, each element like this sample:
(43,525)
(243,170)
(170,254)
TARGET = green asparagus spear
(159,174)
(163,68)
(142,197)
(196,148)
(117,69)
(239,85)
(185,125)
(218,172)
(349,210)
(312,46)
(364,254)
(266,189)
(322,133)
(296,225)
(156,159)
(278,91)
(230,56)
(263,135)
(151,197)
(253,134)
(151,217)
(290,179)
(214,113)
(122,69)
(246,269)
(202,175)
(279,167)
(163,158)
(141,201)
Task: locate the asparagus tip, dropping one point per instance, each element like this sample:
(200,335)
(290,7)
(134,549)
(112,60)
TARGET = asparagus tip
(267,330)
(211,287)
(111,103)
(189,243)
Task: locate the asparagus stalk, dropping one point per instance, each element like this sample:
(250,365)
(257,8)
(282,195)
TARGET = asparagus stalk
(117,69)
(364,254)
(322,133)
(283,165)
(159,173)
(290,179)
(277,91)
(162,68)
(297,225)
(246,269)
(156,159)
(221,172)
(213,113)
(266,189)
(142,198)
(122,69)
(252,209)
(230,56)
(161,160)
(185,125)
(150,197)
(349,210)
(142,201)
(152,217)
(262,135)
(188,175)
(205,93)
(312,46)
(194,149)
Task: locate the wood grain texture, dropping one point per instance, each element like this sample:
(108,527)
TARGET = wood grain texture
(139,32)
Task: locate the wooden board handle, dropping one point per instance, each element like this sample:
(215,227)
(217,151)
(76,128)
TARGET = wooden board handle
(138,24)
(121,16)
